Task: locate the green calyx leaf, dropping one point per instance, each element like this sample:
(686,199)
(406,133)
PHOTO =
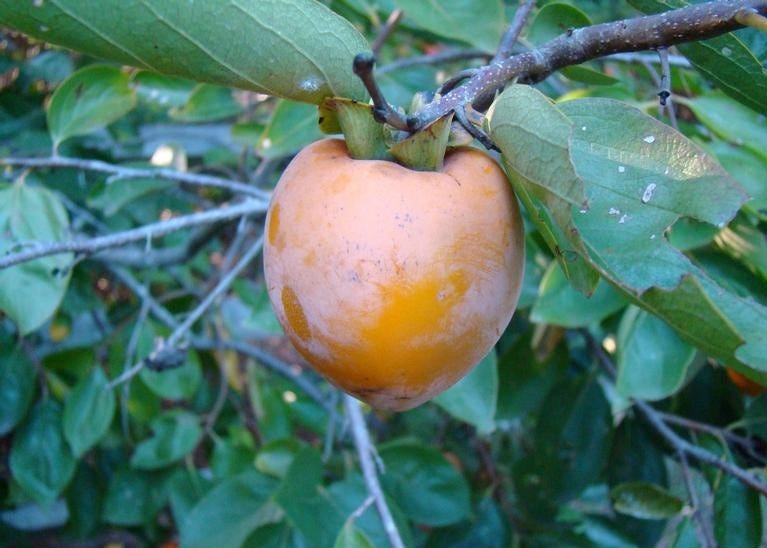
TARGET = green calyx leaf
(364,136)
(425,150)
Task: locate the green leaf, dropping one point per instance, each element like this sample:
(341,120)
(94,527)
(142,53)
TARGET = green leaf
(560,304)
(227,514)
(297,49)
(111,196)
(162,91)
(41,463)
(128,499)
(725,60)
(291,127)
(645,501)
(479,23)
(17,386)
(88,412)
(274,458)
(90,99)
(653,362)
(424,484)
(178,383)
(534,137)
(29,214)
(350,493)
(641,176)
(208,103)
(748,169)
(737,514)
(736,123)
(306,503)
(746,244)
(572,436)
(473,399)
(351,537)
(554,19)
(175,435)
(230,458)
(586,75)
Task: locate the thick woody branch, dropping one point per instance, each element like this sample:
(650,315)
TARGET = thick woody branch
(696,22)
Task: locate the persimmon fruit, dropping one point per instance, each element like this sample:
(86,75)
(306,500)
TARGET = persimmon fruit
(393,283)
(744,384)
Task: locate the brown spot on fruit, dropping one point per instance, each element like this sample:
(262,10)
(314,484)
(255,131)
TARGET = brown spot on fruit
(294,313)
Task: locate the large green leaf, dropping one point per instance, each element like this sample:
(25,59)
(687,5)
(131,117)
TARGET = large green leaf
(725,60)
(29,214)
(41,462)
(653,362)
(554,19)
(476,22)
(289,48)
(424,484)
(306,502)
(473,399)
(641,176)
(291,127)
(534,137)
(88,100)
(88,412)
(230,512)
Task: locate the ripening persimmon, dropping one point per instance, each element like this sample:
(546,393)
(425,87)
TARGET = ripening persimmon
(393,283)
(744,384)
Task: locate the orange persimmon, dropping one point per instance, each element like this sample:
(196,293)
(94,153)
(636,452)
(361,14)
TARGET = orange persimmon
(390,282)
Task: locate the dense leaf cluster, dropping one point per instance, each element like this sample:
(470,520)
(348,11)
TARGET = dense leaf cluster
(645,250)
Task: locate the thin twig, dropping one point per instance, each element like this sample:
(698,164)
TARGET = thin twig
(269,361)
(142,292)
(386,30)
(691,23)
(722,433)
(511,35)
(365,453)
(88,246)
(664,94)
(123,172)
(637,57)
(678,443)
(169,346)
(382,110)
(446,56)
(705,535)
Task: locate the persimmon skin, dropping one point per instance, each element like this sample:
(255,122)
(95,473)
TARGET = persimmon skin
(393,283)
(744,384)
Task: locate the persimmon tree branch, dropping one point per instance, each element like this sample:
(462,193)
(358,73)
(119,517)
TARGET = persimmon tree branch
(656,419)
(692,23)
(124,172)
(511,35)
(365,453)
(87,246)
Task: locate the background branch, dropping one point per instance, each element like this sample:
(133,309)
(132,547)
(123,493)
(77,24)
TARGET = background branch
(147,232)
(365,453)
(123,172)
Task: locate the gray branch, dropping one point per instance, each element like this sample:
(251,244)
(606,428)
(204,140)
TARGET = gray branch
(695,22)
(35,250)
(123,172)
(365,453)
